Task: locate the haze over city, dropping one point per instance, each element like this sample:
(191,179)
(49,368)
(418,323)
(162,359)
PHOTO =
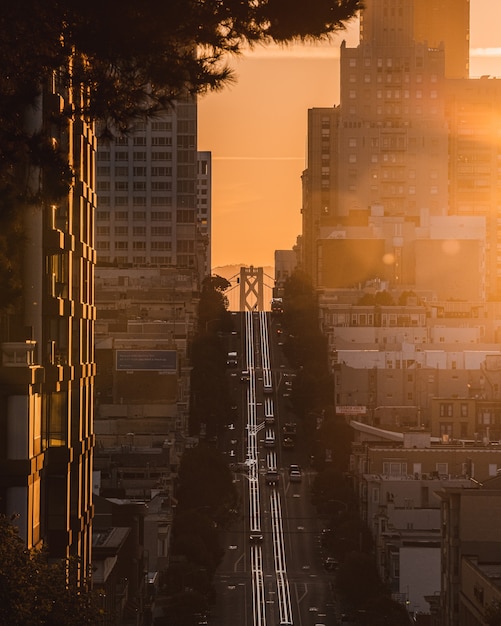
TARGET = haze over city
(256,131)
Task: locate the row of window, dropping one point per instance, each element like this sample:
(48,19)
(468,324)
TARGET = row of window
(137,185)
(139,201)
(182,245)
(121,155)
(392,77)
(137,216)
(137,231)
(137,260)
(125,170)
(389,63)
(134,245)
(182,260)
(367,319)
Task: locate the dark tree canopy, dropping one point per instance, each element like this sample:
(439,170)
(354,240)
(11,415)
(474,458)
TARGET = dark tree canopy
(36,592)
(143,55)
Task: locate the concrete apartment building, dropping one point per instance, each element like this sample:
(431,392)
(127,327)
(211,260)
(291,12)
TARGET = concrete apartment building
(400,479)
(471,553)
(204,208)
(148,189)
(47,369)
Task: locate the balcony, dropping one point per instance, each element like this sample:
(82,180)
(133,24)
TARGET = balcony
(18,353)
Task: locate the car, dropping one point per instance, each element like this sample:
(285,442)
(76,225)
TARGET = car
(272,477)
(330,563)
(293,467)
(256,537)
(288,442)
(295,476)
(245,376)
(269,439)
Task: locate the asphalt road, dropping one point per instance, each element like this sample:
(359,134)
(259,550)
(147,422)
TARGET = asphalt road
(259,583)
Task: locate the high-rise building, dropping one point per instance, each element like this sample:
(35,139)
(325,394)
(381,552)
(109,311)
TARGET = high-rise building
(47,369)
(204,208)
(413,139)
(147,193)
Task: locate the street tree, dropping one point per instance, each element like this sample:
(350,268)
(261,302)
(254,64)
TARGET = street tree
(37,592)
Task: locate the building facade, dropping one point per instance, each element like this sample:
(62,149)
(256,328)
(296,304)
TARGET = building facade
(47,370)
(148,191)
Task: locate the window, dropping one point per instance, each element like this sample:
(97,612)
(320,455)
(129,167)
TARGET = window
(161,231)
(161,245)
(161,201)
(139,156)
(103,215)
(185,245)
(162,126)
(139,231)
(139,185)
(121,185)
(394,468)
(139,245)
(139,170)
(121,155)
(185,216)
(121,170)
(445,409)
(103,231)
(139,141)
(138,201)
(161,171)
(161,156)
(121,245)
(103,170)
(157,216)
(161,186)
(161,141)
(139,215)
(122,230)
(442,469)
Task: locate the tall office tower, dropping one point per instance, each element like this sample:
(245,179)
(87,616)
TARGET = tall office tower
(385,149)
(47,369)
(438,23)
(204,208)
(473,112)
(147,193)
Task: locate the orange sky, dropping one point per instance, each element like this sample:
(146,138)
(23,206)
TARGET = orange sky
(256,131)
